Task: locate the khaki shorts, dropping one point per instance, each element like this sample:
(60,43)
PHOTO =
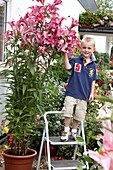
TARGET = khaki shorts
(75,108)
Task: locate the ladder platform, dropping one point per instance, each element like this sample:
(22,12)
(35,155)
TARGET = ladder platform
(55,140)
(66,164)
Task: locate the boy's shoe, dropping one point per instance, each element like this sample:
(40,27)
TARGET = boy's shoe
(73,134)
(65,136)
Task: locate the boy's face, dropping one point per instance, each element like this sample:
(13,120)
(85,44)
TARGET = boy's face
(87,49)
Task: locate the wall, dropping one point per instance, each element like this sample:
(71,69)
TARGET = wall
(18,8)
(100,42)
(3,90)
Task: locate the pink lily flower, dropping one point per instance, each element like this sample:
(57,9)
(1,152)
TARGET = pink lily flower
(41,1)
(42,28)
(57,2)
(74,23)
(105,156)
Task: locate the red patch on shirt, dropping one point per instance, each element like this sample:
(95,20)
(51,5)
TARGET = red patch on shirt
(77,67)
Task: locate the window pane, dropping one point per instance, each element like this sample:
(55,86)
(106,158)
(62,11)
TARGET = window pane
(2,27)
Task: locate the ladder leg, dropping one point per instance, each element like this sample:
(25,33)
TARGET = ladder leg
(83,135)
(81,129)
(40,152)
(76,146)
(48,148)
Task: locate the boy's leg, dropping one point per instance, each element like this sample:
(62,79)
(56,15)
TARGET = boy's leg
(67,121)
(79,115)
(69,104)
(75,124)
(74,129)
(66,132)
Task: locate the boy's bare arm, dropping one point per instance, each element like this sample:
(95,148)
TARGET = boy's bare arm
(66,61)
(91,97)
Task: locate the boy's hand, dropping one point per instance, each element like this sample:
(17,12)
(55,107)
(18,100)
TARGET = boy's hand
(91,97)
(66,61)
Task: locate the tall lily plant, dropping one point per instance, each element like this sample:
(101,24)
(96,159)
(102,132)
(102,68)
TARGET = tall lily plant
(32,45)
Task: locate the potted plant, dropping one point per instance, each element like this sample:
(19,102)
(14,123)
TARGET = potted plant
(32,44)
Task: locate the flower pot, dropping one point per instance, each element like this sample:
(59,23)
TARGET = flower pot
(14,162)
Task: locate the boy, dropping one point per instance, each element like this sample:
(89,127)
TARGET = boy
(80,88)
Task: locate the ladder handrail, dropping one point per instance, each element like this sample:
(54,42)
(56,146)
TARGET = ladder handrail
(51,112)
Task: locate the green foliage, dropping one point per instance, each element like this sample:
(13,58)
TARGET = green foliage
(92,125)
(102,60)
(105,4)
(52,99)
(66,151)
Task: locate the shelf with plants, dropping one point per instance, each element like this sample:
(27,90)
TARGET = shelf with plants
(99,21)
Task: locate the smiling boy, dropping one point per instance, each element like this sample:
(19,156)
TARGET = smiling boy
(80,88)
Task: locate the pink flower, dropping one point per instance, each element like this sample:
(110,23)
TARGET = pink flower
(74,23)
(96,25)
(106,17)
(105,156)
(111,23)
(41,1)
(101,22)
(57,2)
(99,136)
(43,28)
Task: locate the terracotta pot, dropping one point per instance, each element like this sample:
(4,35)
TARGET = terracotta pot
(14,162)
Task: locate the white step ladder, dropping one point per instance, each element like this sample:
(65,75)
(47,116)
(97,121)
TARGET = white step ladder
(55,140)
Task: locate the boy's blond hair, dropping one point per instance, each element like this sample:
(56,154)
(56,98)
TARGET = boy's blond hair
(88,39)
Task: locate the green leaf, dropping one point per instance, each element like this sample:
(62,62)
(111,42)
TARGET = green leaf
(40,96)
(24,88)
(105,99)
(88,159)
(79,139)
(94,137)
(79,167)
(78,154)
(32,69)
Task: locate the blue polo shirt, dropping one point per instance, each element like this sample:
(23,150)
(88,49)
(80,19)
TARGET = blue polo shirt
(80,82)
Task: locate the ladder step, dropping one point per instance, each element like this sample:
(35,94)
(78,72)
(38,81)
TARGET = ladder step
(66,164)
(55,140)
